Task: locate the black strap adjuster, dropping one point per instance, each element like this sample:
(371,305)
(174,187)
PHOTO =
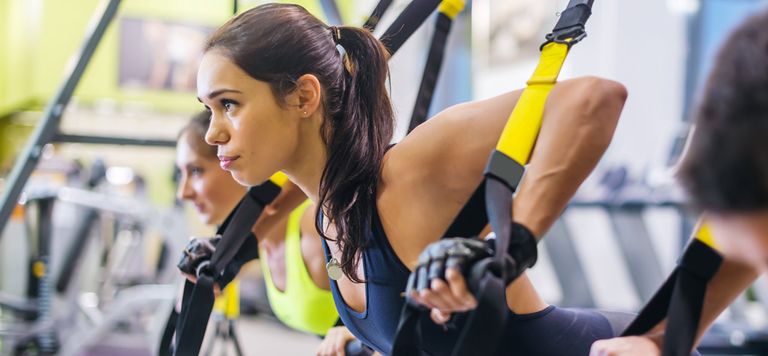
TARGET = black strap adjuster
(570,27)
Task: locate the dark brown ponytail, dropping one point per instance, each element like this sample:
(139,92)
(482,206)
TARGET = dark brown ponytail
(357,140)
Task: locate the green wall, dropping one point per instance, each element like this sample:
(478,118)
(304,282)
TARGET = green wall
(65,26)
(19,39)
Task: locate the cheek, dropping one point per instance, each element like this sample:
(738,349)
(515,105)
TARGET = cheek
(213,192)
(267,145)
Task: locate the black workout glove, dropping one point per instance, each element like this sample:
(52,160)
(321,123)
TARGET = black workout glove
(198,253)
(458,252)
(472,257)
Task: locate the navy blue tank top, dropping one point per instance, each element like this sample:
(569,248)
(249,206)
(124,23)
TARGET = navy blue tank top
(552,331)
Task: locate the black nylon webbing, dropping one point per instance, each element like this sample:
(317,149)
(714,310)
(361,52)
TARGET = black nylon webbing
(167,337)
(373,20)
(680,300)
(414,15)
(431,71)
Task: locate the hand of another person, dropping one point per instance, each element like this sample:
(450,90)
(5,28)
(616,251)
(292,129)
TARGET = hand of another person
(625,346)
(335,342)
(198,251)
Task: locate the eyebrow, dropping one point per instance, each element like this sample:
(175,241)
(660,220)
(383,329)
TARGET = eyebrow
(216,93)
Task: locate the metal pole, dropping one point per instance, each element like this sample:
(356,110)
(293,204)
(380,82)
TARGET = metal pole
(49,124)
(109,140)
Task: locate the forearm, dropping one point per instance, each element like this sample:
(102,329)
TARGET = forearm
(733,278)
(578,124)
(290,197)
(729,282)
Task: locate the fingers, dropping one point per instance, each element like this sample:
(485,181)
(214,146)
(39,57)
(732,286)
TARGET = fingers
(625,346)
(335,342)
(437,282)
(458,288)
(450,295)
(190,277)
(602,348)
(439,317)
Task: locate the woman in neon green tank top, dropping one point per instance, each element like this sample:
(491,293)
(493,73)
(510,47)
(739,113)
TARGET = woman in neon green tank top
(291,254)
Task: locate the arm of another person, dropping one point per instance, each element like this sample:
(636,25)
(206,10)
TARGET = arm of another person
(733,277)
(290,197)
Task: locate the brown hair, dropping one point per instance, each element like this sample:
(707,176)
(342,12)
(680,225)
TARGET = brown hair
(277,44)
(194,133)
(726,167)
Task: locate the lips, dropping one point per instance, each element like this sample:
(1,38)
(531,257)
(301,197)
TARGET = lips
(226,161)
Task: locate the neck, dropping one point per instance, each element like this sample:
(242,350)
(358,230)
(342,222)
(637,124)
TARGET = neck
(306,169)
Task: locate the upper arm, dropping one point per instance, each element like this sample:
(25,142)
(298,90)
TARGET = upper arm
(456,143)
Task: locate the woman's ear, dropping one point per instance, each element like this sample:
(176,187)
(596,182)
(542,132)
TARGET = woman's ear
(307,95)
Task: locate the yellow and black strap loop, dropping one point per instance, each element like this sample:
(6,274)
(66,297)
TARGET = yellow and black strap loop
(484,326)
(506,164)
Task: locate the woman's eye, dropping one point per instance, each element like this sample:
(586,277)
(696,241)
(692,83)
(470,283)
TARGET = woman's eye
(195,171)
(228,105)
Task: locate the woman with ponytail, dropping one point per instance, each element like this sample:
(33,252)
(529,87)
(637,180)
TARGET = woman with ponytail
(288,93)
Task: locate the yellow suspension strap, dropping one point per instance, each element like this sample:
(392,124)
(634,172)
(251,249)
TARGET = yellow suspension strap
(198,299)
(681,298)
(228,303)
(488,278)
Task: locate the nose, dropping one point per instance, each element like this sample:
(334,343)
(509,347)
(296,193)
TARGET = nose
(217,133)
(185,191)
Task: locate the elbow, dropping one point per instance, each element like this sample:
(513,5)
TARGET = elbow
(600,102)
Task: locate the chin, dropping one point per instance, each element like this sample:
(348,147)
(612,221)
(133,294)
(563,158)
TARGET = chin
(241,179)
(247,180)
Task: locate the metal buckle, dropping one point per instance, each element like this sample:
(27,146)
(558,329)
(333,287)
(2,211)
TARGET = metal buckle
(569,36)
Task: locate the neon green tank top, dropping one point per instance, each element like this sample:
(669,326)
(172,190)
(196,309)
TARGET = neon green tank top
(302,305)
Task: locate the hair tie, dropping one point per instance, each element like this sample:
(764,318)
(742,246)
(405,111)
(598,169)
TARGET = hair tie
(335,33)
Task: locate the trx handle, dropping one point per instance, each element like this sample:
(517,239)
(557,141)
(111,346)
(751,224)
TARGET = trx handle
(447,12)
(681,298)
(198,298)
(373,20)
(407,23)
